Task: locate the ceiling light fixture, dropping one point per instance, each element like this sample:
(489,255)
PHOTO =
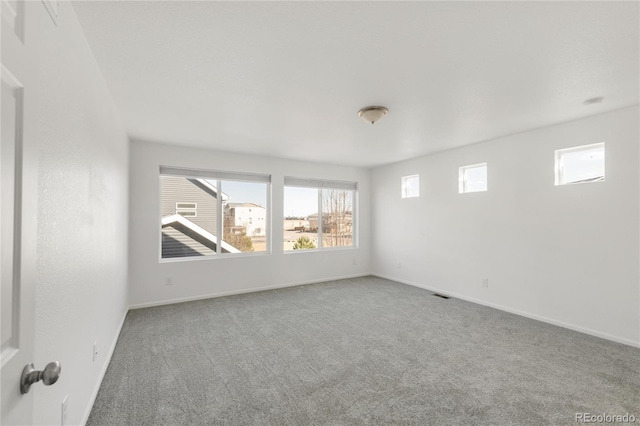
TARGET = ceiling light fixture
(593,101)
(372,114)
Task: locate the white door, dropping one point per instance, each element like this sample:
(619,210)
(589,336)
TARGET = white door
(18,205)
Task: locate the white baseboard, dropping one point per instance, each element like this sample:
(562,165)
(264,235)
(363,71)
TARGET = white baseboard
(248,290)
(105,365)
(563,324)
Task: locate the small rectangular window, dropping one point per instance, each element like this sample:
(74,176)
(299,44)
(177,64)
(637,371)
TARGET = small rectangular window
(187,213)
(410,186)
(581,164)
(472,178)
(186,206)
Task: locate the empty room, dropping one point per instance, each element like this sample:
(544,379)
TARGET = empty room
(320,213)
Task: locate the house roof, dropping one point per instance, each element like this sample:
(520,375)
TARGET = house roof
(181,238)
(252,205)
(208,187)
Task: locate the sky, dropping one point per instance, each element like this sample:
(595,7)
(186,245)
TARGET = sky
(244,192)
(300,202)
(583,164)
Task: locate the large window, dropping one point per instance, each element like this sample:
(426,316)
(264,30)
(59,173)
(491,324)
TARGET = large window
(581,164)
(211,213)
(318,214)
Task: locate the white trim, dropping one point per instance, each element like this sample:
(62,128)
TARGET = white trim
(219,219)
(249,290)
(214,257)
(195,228)
(318,250)
(321,219)
(562,324)
(103,371)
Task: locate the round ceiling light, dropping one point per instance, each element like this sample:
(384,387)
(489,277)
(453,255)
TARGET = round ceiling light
(372,114)
(593,101)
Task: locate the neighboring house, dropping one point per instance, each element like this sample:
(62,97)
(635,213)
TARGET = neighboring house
(189,213)
(337,223)
(249,218)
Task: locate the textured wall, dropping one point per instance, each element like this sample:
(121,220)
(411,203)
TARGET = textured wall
(82,221)
(564,254)
(195,278)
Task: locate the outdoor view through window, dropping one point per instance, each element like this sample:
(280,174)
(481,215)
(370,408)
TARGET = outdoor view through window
(317,217)
(195,210)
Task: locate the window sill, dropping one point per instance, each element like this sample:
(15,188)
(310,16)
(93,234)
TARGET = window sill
(320,250)
(218,256)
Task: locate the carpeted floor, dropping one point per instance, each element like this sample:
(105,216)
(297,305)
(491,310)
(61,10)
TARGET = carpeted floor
(358,351)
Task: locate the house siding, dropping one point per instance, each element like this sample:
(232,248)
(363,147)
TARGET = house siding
(183,190)
(179,242)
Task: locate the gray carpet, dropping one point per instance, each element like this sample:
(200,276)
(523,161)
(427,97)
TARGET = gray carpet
(359,351)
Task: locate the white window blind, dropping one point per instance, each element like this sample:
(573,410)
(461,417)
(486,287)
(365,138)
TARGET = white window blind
(320,183)
(214,174)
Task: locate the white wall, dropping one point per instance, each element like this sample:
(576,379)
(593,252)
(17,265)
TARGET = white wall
(564,254)
(81,293)
(217,276)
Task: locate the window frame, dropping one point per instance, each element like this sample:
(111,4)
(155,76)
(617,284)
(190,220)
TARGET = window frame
(462,178)
(319,185)
(218,176)
(559,166)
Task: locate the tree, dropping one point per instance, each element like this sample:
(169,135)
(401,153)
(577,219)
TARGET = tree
(240,241)
(303,243)
(337,217)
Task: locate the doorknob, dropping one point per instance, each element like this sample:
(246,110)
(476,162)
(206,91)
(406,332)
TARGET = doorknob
(30,375)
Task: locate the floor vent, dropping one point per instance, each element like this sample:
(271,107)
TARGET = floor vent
(442,296)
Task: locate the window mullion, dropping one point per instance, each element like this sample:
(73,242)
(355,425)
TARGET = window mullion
(219,217)
(320,218)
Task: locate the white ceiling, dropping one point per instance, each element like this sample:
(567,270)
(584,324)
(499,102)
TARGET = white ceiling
(286,79)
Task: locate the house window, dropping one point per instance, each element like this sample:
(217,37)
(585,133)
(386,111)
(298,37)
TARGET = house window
(410,186)
(186,206)
(187,213)
(211,223)
(472,178)
(581,164)
(187,209)
(319,214)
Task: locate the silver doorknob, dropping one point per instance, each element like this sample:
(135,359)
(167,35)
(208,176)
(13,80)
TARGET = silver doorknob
(30,375)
